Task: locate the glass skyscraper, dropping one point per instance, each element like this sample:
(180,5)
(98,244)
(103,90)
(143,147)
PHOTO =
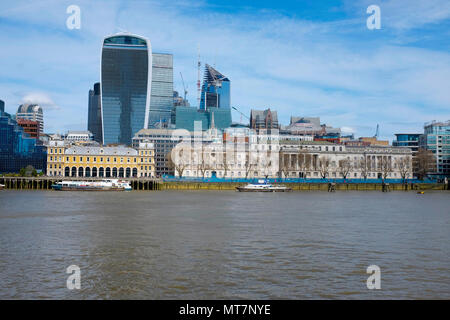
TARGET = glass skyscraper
(95,113)
(215,90)
(161,101)
(136,88)
(125,87)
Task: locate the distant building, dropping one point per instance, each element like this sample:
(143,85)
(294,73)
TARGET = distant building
(311,126)
(136,87)
(99,161)
(407,140)
(373,141)
(215,90)
(436,138)
(17,149)
(179,101)
(77,136)
(30,127)
(164,140)
(95,113)
(263,120)
(185,117)
(31,112)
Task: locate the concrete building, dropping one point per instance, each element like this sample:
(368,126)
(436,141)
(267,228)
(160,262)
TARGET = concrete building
(78,136)
(325,160)
(436,138)
(31,112)
(263,156)
(164,140)
(264,120)
(88,161)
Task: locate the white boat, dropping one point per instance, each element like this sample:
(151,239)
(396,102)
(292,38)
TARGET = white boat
(263,186)
(102,185)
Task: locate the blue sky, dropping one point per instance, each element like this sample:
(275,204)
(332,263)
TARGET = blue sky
(302,58)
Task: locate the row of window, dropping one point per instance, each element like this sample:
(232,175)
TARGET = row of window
(88,159)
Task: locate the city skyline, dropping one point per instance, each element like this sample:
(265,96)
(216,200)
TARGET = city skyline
(323,59)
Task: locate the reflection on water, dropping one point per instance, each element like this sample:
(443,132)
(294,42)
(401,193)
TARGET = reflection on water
(223,244)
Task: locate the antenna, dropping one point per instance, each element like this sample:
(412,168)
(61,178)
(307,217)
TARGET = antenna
(198,77)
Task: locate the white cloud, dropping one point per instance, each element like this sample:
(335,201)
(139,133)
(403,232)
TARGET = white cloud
(40,98)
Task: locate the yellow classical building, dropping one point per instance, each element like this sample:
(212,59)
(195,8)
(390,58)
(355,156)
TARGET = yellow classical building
(100,161)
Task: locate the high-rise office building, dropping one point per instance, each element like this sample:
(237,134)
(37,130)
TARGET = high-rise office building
(17,149)
(95,113)
(126,73)
(436,138)
(31,112)
(215,90)
(136,87)
(161,101)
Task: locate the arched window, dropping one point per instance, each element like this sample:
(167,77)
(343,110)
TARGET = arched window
(94,171)
(135,173)
(67,171)
(121,172)
(87,172)
(114,172)
(80,172)
(74,172)
(101,172)
(108,172)
(128,172)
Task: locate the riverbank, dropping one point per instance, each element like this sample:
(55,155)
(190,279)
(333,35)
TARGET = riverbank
(45,183)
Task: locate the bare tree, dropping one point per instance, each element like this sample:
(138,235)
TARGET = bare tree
(344,167)
(284,164)
(425,162)
(178,159)
(364,166)
(404,166)
(324,166)
(204,164)
(385,167)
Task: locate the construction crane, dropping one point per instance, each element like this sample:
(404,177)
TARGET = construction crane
(184,87)
(377,132)
(242,114)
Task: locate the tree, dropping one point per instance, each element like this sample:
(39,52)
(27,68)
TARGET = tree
(363,164)
(425,162)
(344,167)
(324,166)
(284,164)
(404,166)
(179,158)
(303,162)
(385,167)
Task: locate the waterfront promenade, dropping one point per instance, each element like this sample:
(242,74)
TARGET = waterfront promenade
(45,183)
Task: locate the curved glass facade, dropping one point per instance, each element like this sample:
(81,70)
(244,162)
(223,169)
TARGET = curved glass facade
(124,86)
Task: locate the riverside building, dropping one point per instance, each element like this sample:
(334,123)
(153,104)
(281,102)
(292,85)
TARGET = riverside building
(436,138)
(68,160)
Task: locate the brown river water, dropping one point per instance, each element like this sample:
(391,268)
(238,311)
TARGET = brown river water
(224,244)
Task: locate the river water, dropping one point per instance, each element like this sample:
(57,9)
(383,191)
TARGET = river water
(224,244)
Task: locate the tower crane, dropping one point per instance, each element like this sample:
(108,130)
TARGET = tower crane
(184,87)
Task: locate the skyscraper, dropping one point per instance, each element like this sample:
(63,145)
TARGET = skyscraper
(31,112)
(126,79)
(95,113)
(215,90)
(161,101)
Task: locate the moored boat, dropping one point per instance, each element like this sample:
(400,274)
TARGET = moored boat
(2,186)
(263,187)
(103,185)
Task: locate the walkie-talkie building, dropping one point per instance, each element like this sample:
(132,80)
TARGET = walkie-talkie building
(126,77)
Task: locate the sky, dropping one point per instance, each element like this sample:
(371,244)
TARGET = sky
(300,58)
